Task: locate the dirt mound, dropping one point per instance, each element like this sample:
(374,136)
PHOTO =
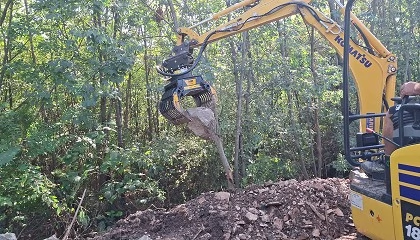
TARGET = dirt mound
(313,209)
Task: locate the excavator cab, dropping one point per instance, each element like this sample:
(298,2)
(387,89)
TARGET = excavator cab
(388,208)
(183,84)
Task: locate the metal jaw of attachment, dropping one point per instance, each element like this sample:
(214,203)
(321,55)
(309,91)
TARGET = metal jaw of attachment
(203,93)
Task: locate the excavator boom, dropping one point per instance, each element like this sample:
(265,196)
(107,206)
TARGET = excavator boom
(373,67)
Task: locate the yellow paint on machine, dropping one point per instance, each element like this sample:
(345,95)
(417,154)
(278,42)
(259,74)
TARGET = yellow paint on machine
(191,81)
(176,101)
(192,87)
(371,217)
(406,156)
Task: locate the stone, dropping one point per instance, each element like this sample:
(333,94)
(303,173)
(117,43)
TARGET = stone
(8,236)
(222,196)
(251,217)
(53,237)
(145,237)
(338,212)
(316,232)
(278,224)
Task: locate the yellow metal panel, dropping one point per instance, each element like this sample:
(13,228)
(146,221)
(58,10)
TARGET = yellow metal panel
(192,87)
(191,81)
(372,218)
(406,205)
(176,101)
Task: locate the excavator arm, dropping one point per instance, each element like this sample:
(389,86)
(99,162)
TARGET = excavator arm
(373,67)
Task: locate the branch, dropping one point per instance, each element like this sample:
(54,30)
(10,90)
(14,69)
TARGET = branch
(66,236)
(3,15)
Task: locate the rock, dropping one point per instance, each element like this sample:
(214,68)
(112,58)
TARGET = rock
(242,236)
(201,200)
(253,210)
(265,218)
(203,122)
(8,236)
(338,212)
(222,196)
(303,236)
(278,224)
(251,217)
(226,236)
(145,237)
(316,232)
(53,237)
(306,222)
(322,217)
(284,210)
(206,236)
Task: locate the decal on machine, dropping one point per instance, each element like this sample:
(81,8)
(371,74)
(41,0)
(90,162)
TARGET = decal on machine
(356,200)
(410,220)
(361,57)
(370,122)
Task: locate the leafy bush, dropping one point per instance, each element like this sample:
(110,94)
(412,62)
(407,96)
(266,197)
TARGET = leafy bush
(265,168)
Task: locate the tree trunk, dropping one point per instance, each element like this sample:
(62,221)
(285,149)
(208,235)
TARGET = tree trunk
(238,81)
(127,101)
(102,83)
(297,139)
(104,117)
(118,119)
(31,43)
(147,81)
(236,77)
(173,15)
(333,9)
(7,47)
(225,162)
(311,141)
(9,3)
(238,133)
(247,98)
(316,103)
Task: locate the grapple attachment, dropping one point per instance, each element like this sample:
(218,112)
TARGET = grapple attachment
(202,92)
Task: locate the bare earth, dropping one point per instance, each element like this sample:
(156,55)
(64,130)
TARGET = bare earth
(312,209)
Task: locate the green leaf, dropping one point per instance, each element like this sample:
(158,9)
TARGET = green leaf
(7,156)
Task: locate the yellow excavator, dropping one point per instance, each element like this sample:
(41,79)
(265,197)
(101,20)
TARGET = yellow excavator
(381,209)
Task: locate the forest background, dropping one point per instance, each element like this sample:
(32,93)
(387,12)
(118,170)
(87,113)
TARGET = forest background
(79,95)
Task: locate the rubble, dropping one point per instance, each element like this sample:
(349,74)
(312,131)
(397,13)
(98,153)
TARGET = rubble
(312,209)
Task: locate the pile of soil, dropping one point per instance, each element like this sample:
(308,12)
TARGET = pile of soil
(312,209)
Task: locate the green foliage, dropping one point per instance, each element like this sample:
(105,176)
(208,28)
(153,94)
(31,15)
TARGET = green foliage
(26,193)
(266,168)
(78,106)
(128,168)
(341,165)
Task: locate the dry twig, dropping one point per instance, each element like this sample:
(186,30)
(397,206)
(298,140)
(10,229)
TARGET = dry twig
(66,236)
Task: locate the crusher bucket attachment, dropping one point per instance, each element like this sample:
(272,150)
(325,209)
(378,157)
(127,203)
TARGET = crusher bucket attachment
(179,87)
